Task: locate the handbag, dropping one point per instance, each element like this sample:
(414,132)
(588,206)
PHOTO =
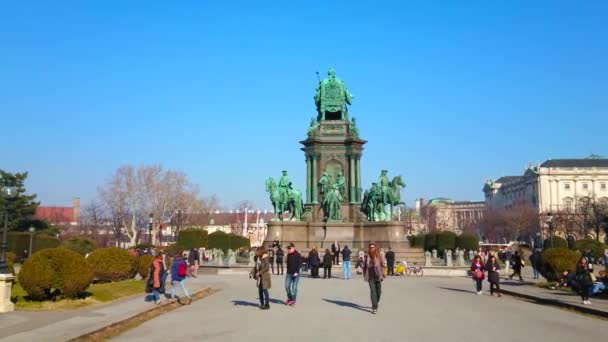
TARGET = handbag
(477,274)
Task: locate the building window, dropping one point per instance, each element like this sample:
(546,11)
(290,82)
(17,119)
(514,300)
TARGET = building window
(603,186)
(585,186)
(567,186)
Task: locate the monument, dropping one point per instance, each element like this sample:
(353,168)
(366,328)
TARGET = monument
(335,207)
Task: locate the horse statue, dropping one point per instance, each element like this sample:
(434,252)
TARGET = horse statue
(394,192)
(294,203)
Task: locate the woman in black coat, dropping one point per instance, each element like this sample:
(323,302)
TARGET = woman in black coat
(493,275)
(314,262)
(327,261)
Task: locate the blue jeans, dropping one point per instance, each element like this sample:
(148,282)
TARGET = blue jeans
(598,288)
(291,286)
(182,283)
(536,273)
(156,295)
(346,264)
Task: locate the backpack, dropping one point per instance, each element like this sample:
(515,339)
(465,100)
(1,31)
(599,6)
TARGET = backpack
(182,269)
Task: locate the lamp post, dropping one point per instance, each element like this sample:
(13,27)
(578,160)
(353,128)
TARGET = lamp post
(150,221)
(549,222)
(32,230)
(8,192)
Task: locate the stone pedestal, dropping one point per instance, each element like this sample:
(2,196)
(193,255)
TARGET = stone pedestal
(6,283)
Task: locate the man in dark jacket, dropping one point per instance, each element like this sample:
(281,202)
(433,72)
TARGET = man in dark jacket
(335,250)
(314,261)
(294,260)
(271,259)
(280,254)
(516,262)
(390,261)
(535,263)
(346,262)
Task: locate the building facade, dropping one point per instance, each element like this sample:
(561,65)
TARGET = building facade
(446,214)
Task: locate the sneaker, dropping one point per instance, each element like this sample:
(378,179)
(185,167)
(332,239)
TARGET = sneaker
(266,307)
(374,311)
(584,302)
(293,303)
(288,302)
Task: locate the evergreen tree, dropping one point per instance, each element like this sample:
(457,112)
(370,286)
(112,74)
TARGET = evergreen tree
(22,208)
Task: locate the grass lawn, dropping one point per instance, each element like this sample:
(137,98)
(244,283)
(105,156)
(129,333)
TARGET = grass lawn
(96,293)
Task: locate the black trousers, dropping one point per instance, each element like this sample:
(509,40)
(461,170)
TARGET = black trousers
(280,267)
(479,284)
(326,272)
(391,268)
(585,290)
(516,271)
(336,258)
(492,285)
(314,271)
(272,267)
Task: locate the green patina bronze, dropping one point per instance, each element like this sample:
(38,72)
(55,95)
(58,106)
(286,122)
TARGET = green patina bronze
(313,128)
(284,198)
(353,131)
(380,195)
(331,98)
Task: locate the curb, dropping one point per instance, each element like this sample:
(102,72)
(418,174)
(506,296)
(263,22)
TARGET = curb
(554,302)
(117,328)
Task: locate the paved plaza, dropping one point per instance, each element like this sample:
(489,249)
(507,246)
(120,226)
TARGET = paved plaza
(416,309)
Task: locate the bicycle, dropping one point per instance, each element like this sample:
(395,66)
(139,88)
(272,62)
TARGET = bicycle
(415,270)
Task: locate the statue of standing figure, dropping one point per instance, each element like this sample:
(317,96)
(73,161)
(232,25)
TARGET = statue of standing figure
(331,203)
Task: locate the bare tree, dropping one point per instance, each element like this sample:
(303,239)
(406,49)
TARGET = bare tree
(520,221)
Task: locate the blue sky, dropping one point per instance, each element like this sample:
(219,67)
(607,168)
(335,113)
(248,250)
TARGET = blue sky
(447,93)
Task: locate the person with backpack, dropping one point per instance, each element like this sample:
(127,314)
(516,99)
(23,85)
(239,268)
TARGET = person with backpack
(261,273)
(477,269)
(373,273)
(156,278)
(179,273)
(517,265)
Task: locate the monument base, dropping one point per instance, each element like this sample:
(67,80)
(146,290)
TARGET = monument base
(6,284)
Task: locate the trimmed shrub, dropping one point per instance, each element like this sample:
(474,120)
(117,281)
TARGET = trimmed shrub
(430,241)
(55,271)
(446,240)
(554,261)
(18,242)
(80,245)
(112,264)
(596,247)
(225,241)
(418,240)
(558,242)
(192,238)
(143,265)
(10,261)
(467,241)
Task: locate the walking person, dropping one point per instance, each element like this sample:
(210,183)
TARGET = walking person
(390,261)
(279,256)
(477,269)
(156,278)
(193,262)
(508,256)
(327,262)
(346,262)
(314,261)
(535,263)
(261,273)
(517,264)
(179,273)
(373,273)
(271,259)
(335,251)
(583,277)
(292,277)
(493,275)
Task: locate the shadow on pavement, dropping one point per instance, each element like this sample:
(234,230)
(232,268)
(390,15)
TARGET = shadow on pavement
(457,290)
(348,304)
(244,303)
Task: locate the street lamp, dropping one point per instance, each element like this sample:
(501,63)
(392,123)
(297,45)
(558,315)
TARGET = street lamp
(32,230)
(150,221)
(549,222)
(8,192)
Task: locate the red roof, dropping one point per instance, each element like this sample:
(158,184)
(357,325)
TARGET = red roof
(55,214)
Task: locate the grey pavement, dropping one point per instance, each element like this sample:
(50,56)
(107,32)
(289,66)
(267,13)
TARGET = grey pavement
(416,309)
(65,325)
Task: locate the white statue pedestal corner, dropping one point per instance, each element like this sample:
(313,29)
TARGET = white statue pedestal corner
(6,283)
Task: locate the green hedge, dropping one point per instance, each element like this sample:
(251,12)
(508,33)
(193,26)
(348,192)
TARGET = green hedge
(417,240)
(225,241)
(143,265)
(53,272)
(446,240)
(558,242)
(112,264)
(467,241)
(19,241)
(597,248)
(430,241)
(556,260)
(79,245)
(192,238)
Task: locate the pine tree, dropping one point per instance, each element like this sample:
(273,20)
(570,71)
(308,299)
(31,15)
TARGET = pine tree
(22,208)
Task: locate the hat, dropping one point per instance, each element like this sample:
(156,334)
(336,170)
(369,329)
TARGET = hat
(291,245)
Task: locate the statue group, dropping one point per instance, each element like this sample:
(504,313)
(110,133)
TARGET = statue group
(284,198)
(381,194)
(333,192)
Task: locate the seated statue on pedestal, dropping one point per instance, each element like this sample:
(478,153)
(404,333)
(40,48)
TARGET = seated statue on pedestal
(331,98)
